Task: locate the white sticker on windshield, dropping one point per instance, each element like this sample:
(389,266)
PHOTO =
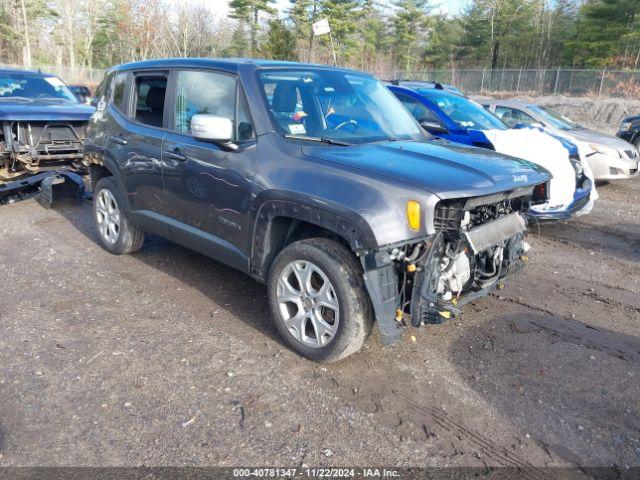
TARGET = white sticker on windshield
(297,129)
(54,82)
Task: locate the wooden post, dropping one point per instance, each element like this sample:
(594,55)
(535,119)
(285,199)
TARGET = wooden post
(602,81)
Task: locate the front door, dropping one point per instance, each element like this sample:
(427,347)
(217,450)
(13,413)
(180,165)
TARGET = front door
(208,188)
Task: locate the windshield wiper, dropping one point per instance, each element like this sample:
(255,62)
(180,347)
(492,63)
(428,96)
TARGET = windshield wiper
(330,141)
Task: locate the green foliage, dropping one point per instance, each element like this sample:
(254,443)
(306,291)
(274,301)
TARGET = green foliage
(608,33)
(239,45)
(248,11)
(280,42)
(411,32)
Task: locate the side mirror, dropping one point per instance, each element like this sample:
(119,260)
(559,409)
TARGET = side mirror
(214,129)
(433,127)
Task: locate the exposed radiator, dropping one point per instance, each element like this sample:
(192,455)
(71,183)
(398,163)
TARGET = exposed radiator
(492,233)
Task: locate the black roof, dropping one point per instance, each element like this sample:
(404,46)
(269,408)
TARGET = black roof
(17,71)
(229,64)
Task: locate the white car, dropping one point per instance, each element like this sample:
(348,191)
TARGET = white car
(610,157)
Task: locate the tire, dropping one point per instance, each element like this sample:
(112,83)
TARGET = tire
(318,260)
(120,236)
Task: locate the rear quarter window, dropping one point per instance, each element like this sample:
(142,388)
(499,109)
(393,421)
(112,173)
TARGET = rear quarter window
(119,89)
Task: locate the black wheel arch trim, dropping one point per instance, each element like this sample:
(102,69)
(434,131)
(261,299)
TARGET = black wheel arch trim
(335,218)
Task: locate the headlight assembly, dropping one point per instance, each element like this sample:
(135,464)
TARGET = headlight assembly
(578,167)
(624,126)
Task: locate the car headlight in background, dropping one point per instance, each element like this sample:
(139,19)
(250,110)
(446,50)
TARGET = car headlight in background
(624,126)
(604,150)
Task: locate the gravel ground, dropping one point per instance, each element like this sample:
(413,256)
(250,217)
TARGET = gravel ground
(165,357)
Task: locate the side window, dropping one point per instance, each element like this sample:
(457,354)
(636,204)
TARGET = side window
(420,112)
(244,125)
(204,93)
(149,99)
(119,87)
(513,116)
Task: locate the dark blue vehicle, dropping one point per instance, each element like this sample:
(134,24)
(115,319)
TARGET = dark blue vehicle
(43,125)
(449,114)
(314,180)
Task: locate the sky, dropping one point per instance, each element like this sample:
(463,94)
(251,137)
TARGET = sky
(452,7)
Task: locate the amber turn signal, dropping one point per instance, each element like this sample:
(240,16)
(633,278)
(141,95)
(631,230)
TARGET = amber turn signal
(413,214)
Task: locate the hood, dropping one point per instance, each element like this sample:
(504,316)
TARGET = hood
(591,136)
(45,110)
(440,167)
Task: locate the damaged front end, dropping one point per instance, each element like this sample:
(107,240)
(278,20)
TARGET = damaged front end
(477,244)
(28,147)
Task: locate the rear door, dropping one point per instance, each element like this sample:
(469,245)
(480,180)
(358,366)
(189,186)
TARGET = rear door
(208,188)
(135,141)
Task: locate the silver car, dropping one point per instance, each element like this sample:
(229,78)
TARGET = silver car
(610,158)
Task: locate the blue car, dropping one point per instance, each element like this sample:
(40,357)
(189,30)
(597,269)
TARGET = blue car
(449,114)
(43,125)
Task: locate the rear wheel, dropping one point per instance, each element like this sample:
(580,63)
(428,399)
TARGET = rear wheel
(317,299)
(117,234)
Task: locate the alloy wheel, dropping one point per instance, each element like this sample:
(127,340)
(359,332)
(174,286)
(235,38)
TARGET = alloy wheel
(308,303)
(108,216)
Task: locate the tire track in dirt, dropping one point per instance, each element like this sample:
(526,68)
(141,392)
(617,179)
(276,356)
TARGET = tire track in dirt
(575,332)
(484,445)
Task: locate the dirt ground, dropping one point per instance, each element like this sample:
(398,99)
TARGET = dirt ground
(165,357)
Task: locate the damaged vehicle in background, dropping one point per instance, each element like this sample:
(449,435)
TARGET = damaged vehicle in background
(454,117)
(346,221)
(43,127)
(610,157)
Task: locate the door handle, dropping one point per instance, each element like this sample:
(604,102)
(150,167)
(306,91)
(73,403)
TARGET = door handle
(175,155)
(118,140)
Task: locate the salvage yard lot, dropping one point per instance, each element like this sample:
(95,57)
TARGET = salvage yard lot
(168,358)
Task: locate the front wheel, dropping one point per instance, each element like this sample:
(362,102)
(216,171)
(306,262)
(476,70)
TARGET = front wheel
(317,299)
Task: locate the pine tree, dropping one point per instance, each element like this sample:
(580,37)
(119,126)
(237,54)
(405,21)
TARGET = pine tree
(239,45)
(280,43)
(608,33)
(249,11)
(410,31)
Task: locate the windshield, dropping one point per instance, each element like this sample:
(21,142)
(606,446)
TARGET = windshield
(336,106)
(554,118)
(34,86)
(464,112)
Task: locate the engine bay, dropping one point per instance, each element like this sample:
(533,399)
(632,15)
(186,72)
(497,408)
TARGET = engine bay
(478,243)
(27,147)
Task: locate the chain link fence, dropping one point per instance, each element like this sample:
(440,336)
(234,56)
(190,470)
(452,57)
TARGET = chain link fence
(556,81)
